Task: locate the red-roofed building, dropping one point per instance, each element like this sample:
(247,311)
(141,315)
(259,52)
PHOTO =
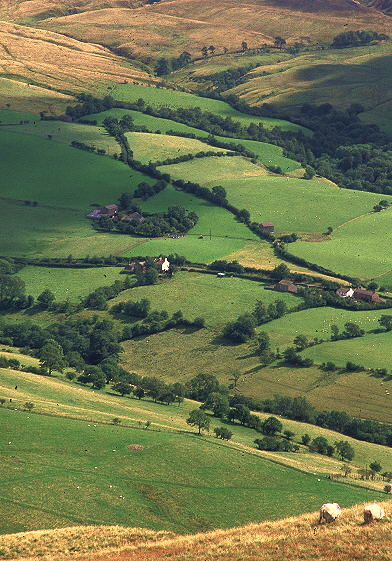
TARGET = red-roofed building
(367,296)
(267,226)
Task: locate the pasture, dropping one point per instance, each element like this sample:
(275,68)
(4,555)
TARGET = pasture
(371,351)
(65,133)
(269,154)
(359,248)
(280,200)
(179,293)
(148,147)
(101,481)
(66,283)
(172,98)
(50,173)
(211,171)
(316,322)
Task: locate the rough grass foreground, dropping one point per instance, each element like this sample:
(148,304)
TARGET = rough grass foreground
(285,540)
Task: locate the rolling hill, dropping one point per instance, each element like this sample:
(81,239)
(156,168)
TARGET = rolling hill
(266,541)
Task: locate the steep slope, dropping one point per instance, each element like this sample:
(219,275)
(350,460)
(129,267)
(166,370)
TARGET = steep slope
(346,540)
(191,24)
(40,69)
(382,5)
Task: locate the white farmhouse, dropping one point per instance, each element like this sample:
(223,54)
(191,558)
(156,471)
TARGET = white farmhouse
(345,292)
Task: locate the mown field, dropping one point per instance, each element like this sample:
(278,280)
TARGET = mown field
(175,99)
(280,200)
(269,154)
(359,248)
(67,283)
(148,147)
(99,480)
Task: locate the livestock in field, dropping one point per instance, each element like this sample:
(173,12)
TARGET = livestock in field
(329,512)
(373,512)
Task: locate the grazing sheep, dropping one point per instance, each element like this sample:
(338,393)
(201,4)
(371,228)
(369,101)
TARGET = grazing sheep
(373,512)
(329,512)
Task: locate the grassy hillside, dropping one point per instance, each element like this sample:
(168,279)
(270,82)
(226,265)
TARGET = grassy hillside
(266,541)
(337,76)
(67,283)
(36,63)
(172,27)
(172,98)
(280,199)
(153,147)
(269,154)
(355,247)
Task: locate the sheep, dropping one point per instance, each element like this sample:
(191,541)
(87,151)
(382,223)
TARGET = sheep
(329,512)
(373,512)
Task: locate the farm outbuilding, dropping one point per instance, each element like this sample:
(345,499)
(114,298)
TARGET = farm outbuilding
(267,226)
(286,286)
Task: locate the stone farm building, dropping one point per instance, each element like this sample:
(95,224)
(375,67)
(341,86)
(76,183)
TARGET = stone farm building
(367,296)
(345,292)
(134,216)
(286,286)
(267,227)
(108,211)
(161,263)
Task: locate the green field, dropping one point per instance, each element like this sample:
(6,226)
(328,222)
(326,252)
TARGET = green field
(280,200)
(360,248)
(59,175)
(67,283)
(67,132)
(269,154)
(175,99)
(211,171)
(179,293)
(316,322)
(88,469)
(371,351)
(8,117)
(148,147)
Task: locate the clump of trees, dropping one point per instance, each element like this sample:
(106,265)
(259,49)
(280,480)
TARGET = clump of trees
(357,38)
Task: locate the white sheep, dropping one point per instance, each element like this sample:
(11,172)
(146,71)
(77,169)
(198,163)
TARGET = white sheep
(329,512)
(373,512)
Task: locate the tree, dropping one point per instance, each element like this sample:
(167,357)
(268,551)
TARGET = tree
(116,421)
(139,393)
(352,330)
(319,445)
(212,49)
(280,272)
(289,434)
(345,450)
(122,388)
(260,313)
(11,288)
(162,67)
(279,42)
(217,403)
(201,386)
(305,439)
(387,488)
(28,406)
(346,469)
(263,342)
(219,195)
(386,321)
(223,433)
(199,419)
(301,342)
(204,52)
(375,466)
(241,330)
(46,298)
(271,426)
(244,46)
(234,379)
(51,356)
